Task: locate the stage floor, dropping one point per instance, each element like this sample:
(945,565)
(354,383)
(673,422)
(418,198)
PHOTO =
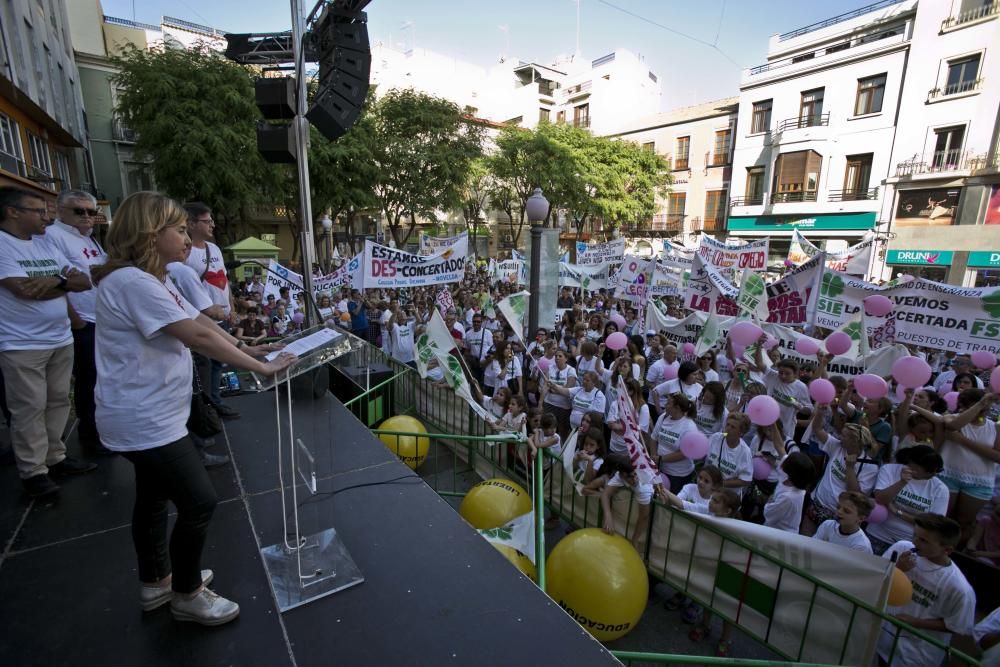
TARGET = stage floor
(434,592)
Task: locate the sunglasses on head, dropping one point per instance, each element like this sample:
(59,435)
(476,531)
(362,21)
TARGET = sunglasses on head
(91,212)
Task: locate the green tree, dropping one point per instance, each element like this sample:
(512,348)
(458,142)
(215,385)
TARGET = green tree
(422,149)
(194,116)
(475,197)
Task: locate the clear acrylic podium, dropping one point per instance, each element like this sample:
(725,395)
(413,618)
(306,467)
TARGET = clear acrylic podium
(311,561)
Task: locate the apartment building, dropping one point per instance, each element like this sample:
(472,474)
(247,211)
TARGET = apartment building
(942,202)
(42,128)
(815,129)
(698,143)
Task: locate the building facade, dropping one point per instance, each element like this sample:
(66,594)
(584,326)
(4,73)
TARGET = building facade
(42,126)
(815,129)
(942,201)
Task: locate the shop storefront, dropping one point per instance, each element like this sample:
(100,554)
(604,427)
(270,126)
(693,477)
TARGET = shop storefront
(834,230)
(986,265)
(929,264)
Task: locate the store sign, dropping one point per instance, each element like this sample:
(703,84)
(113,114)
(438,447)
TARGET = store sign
(837,221)
(921,257)
(985,259)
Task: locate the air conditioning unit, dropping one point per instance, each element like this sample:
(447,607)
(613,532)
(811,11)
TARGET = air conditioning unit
(507,238)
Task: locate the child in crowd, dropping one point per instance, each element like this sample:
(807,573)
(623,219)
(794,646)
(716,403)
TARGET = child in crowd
(783,510)
(590,456)
(696,497)
(909,488)
(545,437)
(731,454)
(676,420)
(624,475)
(853,509)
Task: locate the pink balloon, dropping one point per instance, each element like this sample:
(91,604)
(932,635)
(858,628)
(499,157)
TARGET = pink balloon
(299,317)
(870,386)
(617,341)
(670,372)
(877,305)
(761,469)
(694,445)
(544,364)
(879,514)
(911,372)
(688,348)
(984,359)
(822,390)
(739,351)
(995,380)
(763,410)
(951,400)
(771,342)
(618,319)
(806,346)
(745,333)
(838,343)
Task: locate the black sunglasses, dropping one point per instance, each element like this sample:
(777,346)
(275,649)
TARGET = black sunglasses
(91,212)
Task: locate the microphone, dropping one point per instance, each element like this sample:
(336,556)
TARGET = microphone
(236,263)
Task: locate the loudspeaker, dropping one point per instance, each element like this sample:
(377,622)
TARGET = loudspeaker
(341,37)
(276,143)
(275,97)
(332,113)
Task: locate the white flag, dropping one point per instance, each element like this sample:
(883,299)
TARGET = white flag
(513,309)
(568,460)
(710,336)
(454,375)
(519,534)
(435,337)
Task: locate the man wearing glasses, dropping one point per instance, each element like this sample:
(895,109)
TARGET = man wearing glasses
(36,345)
(72,235)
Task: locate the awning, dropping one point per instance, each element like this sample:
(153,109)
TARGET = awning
(803,222)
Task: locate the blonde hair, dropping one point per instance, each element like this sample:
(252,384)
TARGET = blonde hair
(137,223)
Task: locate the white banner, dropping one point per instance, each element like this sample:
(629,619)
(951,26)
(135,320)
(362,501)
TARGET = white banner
(855,260)
(666,280)
(348,275)
(602,253)
(511,270)
(278,276)
(633,280)
(430,245)
(708,290)
(519,533)
(388,267)
(751,255)
(590,278)
(677,256)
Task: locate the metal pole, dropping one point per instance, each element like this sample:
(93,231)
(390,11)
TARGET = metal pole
(301,127)
(536,276)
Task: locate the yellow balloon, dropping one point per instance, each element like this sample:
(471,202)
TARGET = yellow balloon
(900,590)
(520,561)
(410,449)
(599,580)
(494,502)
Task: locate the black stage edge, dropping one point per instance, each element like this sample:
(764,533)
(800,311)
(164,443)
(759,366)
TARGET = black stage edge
(435,593)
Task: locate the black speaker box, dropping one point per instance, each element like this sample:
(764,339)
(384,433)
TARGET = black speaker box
(276,143)
(333,113)
(275,97)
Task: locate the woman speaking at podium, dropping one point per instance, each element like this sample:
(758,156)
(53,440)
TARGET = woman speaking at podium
(145,331)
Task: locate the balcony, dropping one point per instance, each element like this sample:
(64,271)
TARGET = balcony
(708,224)
(840,18)
(582,122)
(122,132)
(793,197)
(954,89)
(753,200)
(717,159)
(946,161)
(799,122)
(547,88)
(577,90)
(662,225)
(986,11)
(852,195)
(681,164)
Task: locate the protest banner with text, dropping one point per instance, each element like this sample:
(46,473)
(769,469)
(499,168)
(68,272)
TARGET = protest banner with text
(602,253)
(388,267)
(751,255)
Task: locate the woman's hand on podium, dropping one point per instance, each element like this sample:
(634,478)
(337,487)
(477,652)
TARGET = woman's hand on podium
(280,363)
(261,351)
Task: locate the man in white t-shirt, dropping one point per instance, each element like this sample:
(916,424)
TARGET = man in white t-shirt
(36,344)
(206,260)
(785,387)
(478,342)
(72,235)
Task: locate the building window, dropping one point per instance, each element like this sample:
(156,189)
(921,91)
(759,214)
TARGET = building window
(683,153)
(843,46)
(715,201)
(581,116)
(268,238)
(649,146)
(755,186)
(40,162)
(948,147)
(138,177)
(857,176)
(63,171)
(796,176)
(543,115)
(11,152)
(870,92)
(720,150)
(962,75)
(560,117)
(676,205)
(761,121)
(811,108)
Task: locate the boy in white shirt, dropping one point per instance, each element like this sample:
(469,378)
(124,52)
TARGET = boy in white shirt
(845,530)
(943,602)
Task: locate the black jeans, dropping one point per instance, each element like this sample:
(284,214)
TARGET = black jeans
(85,379)
(174,473)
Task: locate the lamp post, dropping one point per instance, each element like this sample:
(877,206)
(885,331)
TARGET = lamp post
(536,208)
(328,233)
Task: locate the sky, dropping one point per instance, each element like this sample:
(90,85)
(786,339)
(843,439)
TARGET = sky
(697,49)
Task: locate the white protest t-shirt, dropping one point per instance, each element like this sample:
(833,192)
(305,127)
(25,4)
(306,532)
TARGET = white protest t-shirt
(83,252)
(617,443)
(29,324)
(144,375)
(643,492)
(919,495)
(790,398)
(989,626)
(939,591)
(402,341)
(733,462)
(668,433)
(559,377)
(190,286)
(209,261)
(962,464)
(583,402)
(706,421)
(784,508)
(829,531)
(834,480)
(675,386)
(693,502)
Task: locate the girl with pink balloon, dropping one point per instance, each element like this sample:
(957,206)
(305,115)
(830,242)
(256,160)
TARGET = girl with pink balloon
(903,490)
(731,454)
(676,421)
(850,467)
(784,386)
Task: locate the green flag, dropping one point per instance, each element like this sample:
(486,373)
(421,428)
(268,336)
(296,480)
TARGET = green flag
(752,299)
(513,309)
(710,336)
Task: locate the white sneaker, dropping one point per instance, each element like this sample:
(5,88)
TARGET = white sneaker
(206,608)
(154,597)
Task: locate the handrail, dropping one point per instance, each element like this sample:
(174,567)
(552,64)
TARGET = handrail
(839,18)
(539,509)
(680,659)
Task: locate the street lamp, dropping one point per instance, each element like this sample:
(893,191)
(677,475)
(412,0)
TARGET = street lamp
(328,233)
(536,208)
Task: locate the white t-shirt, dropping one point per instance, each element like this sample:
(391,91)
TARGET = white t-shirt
(734,463)
(495,409)
(834,480)
(668,433)
(962,464)
(989,626)
(29,324)
(478,342)
(643,492)
(190,286)
(675,386)
(759,446)
(83,252)
(939,591)
(144,376)
(919,495)
(693,502)
(402,341)
(584,365)
(829,531)
(706,421)
(583,402)
(560,378)
(784,508)
(790,397)
(208,263)
(617,443)
(654,374)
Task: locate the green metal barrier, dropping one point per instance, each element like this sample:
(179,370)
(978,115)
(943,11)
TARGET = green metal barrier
(629,658)
(476,453)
